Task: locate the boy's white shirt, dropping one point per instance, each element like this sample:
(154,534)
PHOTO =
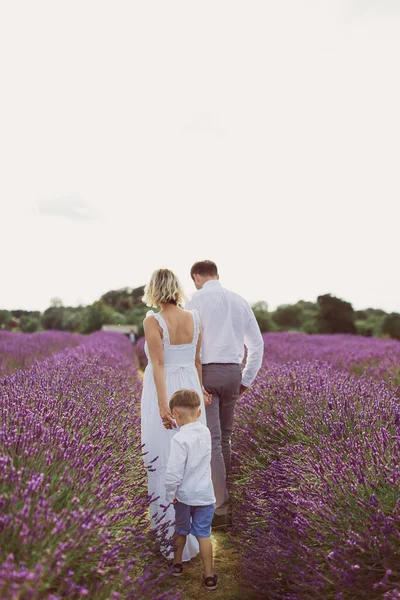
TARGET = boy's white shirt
(188,476)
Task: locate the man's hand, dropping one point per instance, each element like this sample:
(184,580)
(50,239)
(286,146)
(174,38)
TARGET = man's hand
(243,389)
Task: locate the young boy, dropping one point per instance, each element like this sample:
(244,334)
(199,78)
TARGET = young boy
(188,482)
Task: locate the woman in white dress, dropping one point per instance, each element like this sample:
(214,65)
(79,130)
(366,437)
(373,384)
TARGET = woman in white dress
(173,341)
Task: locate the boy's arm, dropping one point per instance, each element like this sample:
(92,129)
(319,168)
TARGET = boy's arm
(175,469)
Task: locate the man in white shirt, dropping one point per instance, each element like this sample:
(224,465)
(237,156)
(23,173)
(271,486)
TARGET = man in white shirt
(228,325)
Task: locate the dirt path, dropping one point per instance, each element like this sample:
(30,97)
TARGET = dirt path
(226,559)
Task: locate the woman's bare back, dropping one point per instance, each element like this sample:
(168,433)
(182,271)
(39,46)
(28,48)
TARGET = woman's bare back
(180,325)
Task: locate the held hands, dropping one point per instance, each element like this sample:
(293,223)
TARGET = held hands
(207,397)
(166,417)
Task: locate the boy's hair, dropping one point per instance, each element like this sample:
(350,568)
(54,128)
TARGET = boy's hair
(185,399)
(205,268)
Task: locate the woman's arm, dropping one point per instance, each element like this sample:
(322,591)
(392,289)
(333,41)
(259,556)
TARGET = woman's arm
(156,351)
(198,359)
(207,396)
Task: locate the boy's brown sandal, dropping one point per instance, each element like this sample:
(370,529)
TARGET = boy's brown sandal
(177,569)
(210,582)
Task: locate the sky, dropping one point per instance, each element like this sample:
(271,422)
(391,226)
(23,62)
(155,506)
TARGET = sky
(262,135)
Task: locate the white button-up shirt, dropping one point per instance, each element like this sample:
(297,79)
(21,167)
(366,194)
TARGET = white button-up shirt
(188,476)
(228,325)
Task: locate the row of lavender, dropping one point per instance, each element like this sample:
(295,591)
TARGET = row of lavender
(317,470)
(20,350)
(73,503)
(379,358)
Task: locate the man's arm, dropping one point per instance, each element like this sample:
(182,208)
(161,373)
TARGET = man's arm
(255,349)
(175,469)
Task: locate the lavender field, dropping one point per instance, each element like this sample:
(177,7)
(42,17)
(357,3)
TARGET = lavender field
(317,470)
(73,503)
(315,482)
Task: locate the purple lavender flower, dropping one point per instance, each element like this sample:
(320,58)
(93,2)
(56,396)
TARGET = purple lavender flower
(316,479)
(73,499)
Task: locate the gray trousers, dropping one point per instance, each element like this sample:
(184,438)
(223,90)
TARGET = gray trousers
(223,382)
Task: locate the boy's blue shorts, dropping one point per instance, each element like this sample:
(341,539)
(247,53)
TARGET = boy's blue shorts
(193,519)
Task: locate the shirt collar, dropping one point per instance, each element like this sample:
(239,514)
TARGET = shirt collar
(211,283)
(189,425)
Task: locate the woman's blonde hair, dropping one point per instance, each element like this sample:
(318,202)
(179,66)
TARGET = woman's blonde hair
(163,288)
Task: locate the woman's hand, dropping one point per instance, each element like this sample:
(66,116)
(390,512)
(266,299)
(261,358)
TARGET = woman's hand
(207,398)
(166,417)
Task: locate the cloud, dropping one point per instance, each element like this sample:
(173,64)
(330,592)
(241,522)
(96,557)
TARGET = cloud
(205,123)
(69,206)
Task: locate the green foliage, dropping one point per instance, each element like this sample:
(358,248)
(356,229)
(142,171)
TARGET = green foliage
(310,325)
(288,316)
(97,315)
(363,328)
(118,307)
(263,317)
(309,314)
(360,315)
(74,319)
(123,300)
(137,295)
(136,317)
(20,313)
(371,326)
(391,325)
(369,321)
(64,318)
(53,318)
(29,324)
(375,312)
(335,315)
(5,317)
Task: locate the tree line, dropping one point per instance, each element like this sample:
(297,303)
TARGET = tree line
(328,315)
(125,307)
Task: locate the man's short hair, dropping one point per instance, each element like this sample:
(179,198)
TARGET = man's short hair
(205,268)
(185,399)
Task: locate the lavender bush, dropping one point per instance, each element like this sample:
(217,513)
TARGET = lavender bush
(316,470)
(73,503)
(20,350)
(379,357)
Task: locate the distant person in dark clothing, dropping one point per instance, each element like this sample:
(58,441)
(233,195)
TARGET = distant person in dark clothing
(132,336)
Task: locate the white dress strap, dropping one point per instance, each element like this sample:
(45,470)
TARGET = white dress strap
(196,320)
(161,321)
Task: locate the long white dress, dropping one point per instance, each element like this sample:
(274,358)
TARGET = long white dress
(180,373)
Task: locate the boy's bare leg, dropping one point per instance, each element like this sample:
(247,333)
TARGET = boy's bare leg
(206,554)
(179,546)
